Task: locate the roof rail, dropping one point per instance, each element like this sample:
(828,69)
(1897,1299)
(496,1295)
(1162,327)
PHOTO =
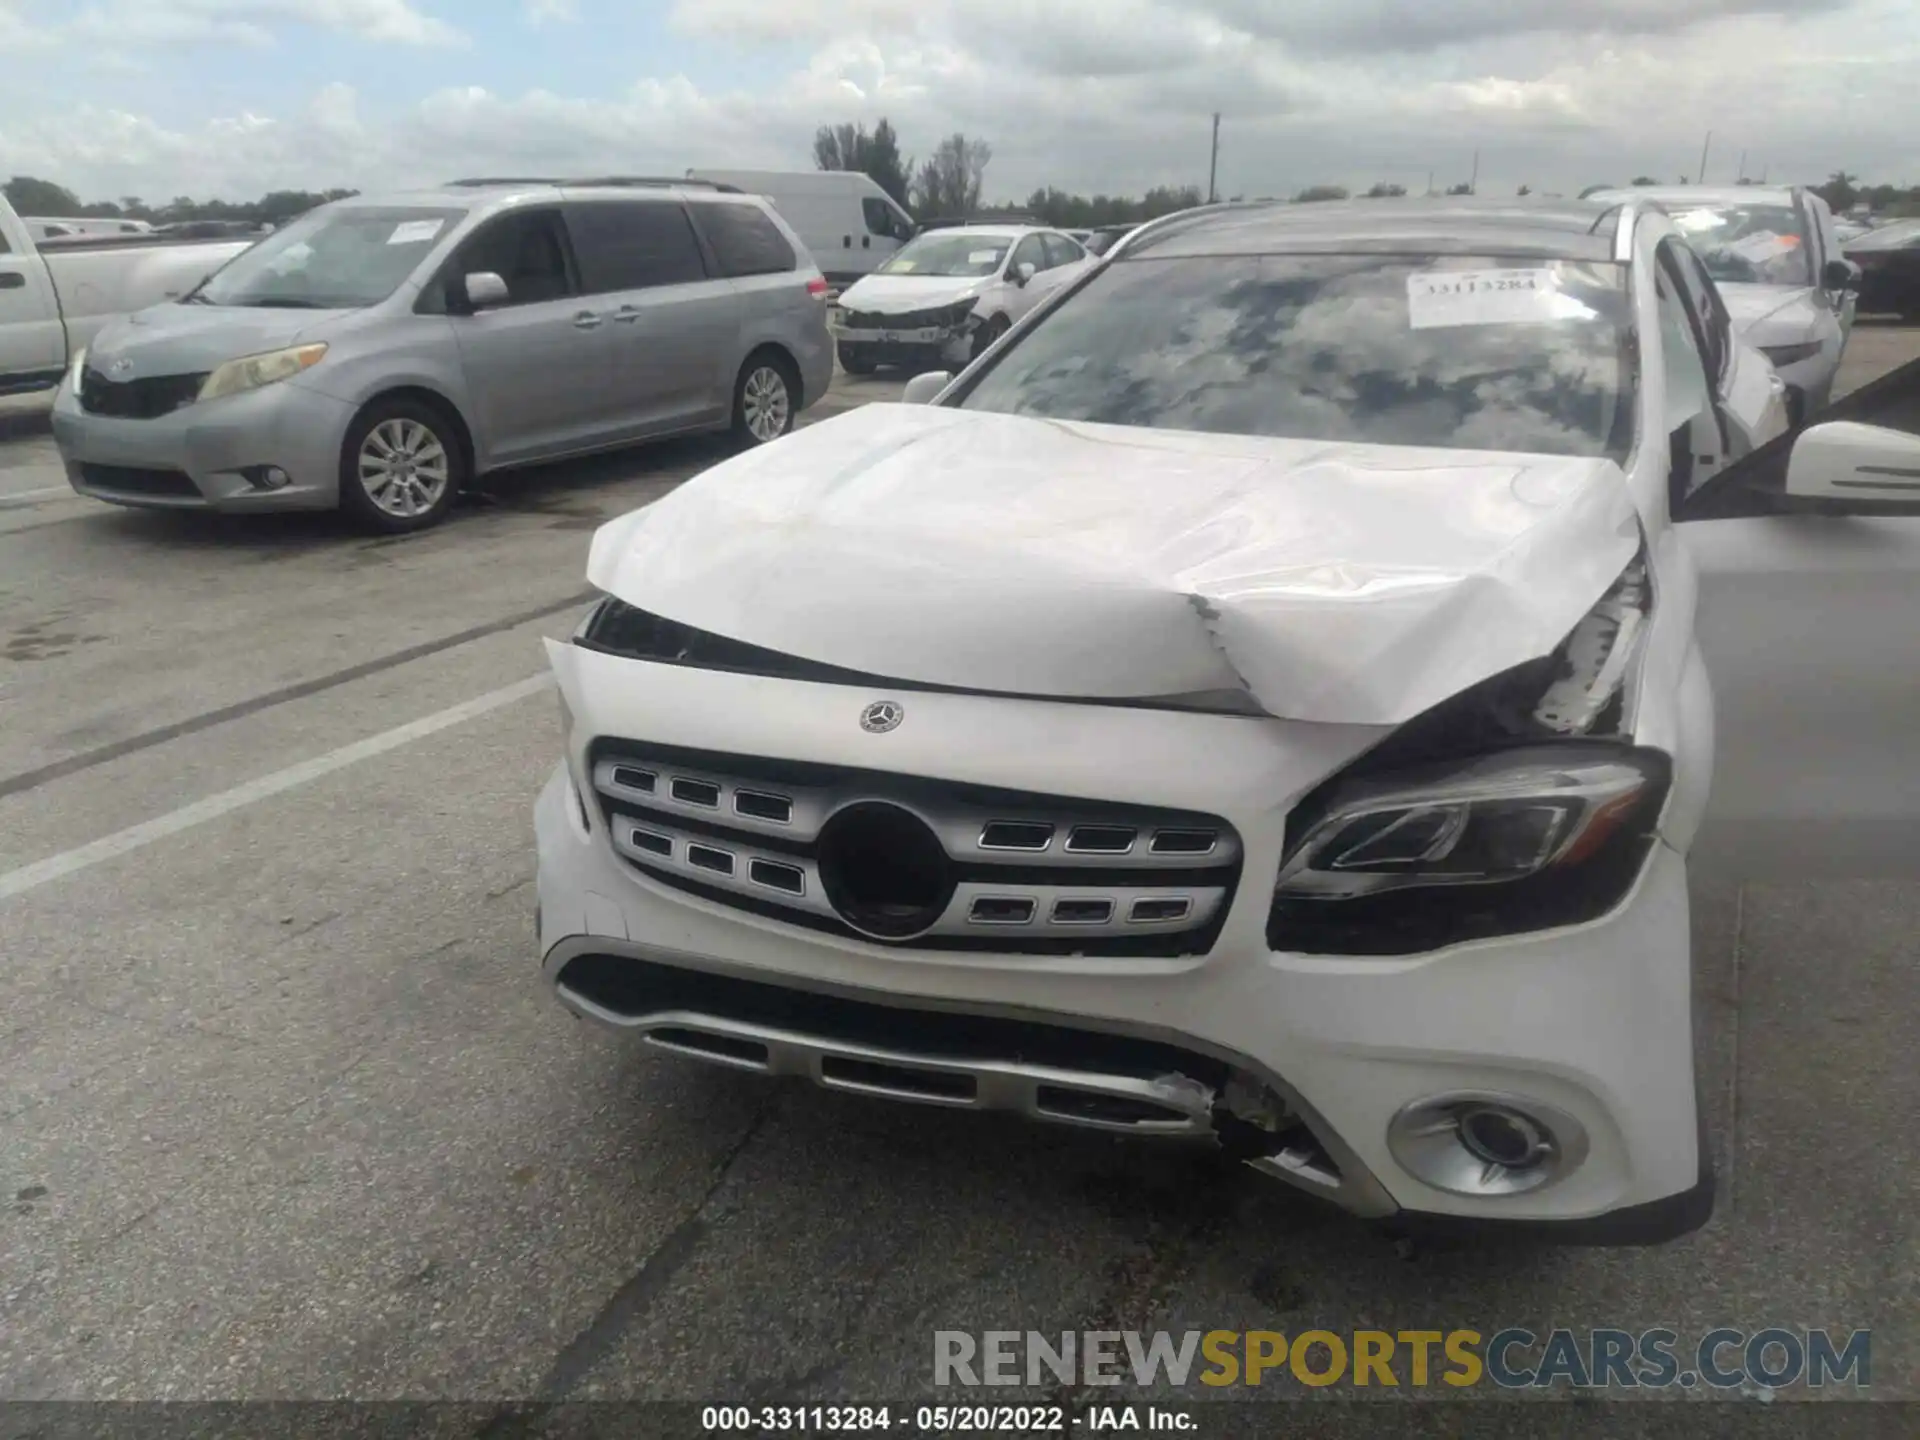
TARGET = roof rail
(949,222)
(1162,222)
(1623,232)
(660,182)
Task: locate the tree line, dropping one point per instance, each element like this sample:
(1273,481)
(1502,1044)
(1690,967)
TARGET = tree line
(946,185)
(32,196)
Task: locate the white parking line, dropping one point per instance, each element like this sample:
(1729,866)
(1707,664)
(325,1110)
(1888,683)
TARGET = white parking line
(28,497)
(111,847)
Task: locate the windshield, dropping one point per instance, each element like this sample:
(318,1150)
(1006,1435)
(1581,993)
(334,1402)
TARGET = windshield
(949,254)
(331,260)
(1748,244)
(1462,353)
(1896,236)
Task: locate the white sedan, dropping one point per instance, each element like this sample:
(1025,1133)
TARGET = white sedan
(950,293)
(1278,695)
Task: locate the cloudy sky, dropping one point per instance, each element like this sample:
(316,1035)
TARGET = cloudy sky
(233,97)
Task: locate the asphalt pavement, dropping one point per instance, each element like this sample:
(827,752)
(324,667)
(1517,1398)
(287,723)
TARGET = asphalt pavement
(285,1112)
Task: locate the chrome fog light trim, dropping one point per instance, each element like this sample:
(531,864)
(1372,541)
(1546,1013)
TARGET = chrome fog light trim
(1486,1144)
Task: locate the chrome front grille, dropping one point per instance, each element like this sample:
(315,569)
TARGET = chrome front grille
(911,861)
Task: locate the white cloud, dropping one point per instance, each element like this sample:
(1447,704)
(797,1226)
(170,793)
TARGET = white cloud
(547,12)
(1114,96)
(129,24)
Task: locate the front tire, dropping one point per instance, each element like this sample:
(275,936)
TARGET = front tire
(401,468)
(855,361)
(766,399)
(987,334)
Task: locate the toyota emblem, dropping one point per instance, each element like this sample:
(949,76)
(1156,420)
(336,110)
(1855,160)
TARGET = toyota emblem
(882,716)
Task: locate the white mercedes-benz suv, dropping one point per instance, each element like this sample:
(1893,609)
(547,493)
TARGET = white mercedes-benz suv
(1271,696)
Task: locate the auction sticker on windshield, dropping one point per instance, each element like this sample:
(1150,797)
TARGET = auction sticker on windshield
(412,232)
(1440,298)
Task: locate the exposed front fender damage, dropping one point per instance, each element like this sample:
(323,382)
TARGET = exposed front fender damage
(1332,583)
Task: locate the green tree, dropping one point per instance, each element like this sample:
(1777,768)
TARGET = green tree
(1524,190)
(1382,190)
(1322,192)
(30,196)
(1645,180)
(850,147)
(1841,190)
(949,184)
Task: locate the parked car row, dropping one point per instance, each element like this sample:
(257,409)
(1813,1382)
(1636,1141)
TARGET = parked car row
(1277,693)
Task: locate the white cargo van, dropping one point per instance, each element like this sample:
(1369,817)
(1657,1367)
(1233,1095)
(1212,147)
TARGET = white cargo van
(849,223)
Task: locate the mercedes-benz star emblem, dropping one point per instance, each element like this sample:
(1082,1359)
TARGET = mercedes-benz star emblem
(882,716)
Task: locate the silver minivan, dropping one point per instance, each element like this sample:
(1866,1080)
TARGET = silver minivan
(379,352)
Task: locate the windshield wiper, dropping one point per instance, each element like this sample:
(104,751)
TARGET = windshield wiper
(193,297)
(284,302)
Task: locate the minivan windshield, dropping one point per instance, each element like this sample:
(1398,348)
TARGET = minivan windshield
(337,258)
(1481,353)
(1747,244)
(950,254)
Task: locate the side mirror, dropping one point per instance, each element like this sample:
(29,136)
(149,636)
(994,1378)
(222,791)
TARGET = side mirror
(922,389)
(1854,464)
(1841,275)
(1024,271)
(485,290)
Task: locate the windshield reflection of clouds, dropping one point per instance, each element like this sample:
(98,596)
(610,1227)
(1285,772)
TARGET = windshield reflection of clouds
(1748,244)
(1321,348)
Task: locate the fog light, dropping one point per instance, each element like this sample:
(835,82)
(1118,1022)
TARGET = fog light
(267,477)
(1486,1145)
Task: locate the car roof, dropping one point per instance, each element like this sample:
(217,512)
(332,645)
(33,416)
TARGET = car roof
(1667,195)
(1451,225)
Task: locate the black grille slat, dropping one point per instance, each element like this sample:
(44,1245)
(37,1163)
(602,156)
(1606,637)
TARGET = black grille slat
(145,399)
(133,480)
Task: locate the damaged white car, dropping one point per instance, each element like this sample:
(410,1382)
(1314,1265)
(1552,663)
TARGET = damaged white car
(950,293)
(1271,698)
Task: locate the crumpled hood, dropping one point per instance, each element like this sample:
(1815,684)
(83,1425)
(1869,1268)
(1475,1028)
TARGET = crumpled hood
(899,294)
(1337,583)
(1787,311)
(175,339)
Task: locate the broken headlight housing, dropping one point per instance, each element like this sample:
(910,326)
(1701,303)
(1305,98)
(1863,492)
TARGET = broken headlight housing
(1519,805)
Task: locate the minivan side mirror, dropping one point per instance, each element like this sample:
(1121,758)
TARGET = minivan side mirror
(1856,465)
(922,389)
(485,290)
(1024,271)
(1841,275)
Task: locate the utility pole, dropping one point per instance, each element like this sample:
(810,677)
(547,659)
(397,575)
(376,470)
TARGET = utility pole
(1473,185)
(1213,165)
(1429,182)
(1705,146)
(1742,176)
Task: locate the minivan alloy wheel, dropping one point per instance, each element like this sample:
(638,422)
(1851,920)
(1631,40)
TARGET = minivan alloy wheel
(404,468)
(766,405)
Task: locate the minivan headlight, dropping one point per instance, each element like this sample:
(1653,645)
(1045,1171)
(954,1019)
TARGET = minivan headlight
(78,366)
(250,372)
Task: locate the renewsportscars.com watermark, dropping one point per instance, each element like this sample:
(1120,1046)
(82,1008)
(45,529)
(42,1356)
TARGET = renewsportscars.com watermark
(1773,1358)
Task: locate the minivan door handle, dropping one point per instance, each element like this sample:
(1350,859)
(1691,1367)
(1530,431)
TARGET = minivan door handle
(627,314)
(587,320)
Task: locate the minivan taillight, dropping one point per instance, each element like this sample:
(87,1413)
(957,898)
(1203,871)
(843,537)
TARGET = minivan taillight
(817,288)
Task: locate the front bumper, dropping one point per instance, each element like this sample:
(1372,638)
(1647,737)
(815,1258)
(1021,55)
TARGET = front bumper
(198,457)
(948,344)
(1594,1021)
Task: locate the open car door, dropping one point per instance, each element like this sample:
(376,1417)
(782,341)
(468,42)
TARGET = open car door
(1808,553)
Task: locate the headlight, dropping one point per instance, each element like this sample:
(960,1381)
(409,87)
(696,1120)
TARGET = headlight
(1791,354)
(79,364)
(250,372)
(1520,804)
(1516,841)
